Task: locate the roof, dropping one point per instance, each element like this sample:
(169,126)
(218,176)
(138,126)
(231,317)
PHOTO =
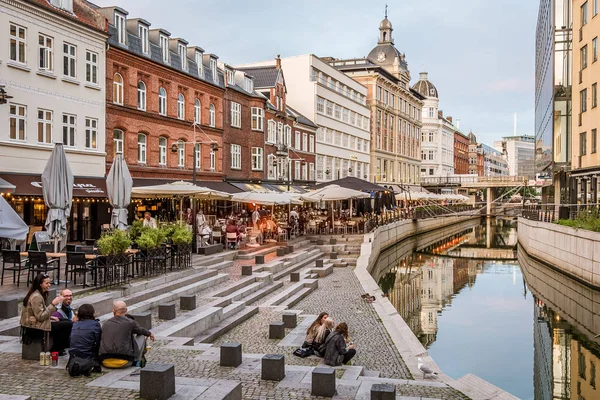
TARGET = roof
(385,24)
(425,87)
(300,118)
(354,183)
(83,13)
(264,77)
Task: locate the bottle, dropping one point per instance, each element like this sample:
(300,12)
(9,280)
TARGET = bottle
(47,359)
(42,358)
(54,358)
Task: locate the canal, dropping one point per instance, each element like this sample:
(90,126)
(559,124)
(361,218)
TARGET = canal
(480,305)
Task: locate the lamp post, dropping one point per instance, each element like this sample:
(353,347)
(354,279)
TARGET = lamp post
(3,95)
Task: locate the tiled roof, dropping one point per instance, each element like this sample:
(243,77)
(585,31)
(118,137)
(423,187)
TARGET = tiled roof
(83,13)
(301,118)
(264,77)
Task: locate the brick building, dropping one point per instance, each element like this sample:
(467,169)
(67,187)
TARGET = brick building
(164,100)
(461,153)
(289,142)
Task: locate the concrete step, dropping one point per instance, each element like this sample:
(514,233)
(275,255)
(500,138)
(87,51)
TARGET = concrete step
(479,389)
(190,324)
(249,254)
(221,265)
(212,334)
(307,260)
(231,288)
(291,291)
(371,374)
(296,297)
(259,294)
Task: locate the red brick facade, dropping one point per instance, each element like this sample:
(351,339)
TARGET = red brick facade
(132,121)
(461,153)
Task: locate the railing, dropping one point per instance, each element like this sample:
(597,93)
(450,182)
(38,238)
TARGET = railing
(536,212)
(466,179)
(372,221)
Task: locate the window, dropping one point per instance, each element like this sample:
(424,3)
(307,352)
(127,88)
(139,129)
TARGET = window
(44,126)
(257,119)
(304,142)
(594,95)
(213,69)
(198,155)
(594,140)
(18,43)
(117,141)
(378,93)
(297,170)
(431,155)
(91,133)
(431,112)
(287,140)
(345,114)
(120,25)
(595,49)
(584,13)
(311,171)
(431,136)
(279,132)
(211,115)
(197,112)
(236,156)
(271,134)
(164,47)
(582,143)
(212,160)
(46,54)
(180,106)
(118,89)
(271,165)
(91,67)
(257,159)
(297,143)
(248,85)
(141,146)
(592,364)
(230,77)
(162,150)
(329,108)
(583,53)
(162,101)
(338,112)
(236,115)
(583,100)
(311,142)
(180,154)
(69,127)
(69,60)
(143,34)
(392,98)
(182,51)
(198,57)
(141,96)
(320,105)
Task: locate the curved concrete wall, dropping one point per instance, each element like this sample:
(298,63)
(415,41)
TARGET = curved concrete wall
(575,252)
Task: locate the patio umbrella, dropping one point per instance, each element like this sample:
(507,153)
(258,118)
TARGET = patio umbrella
(333,193)
(267,199)
(57,187)
(179,189)
(11,225)
(118,186)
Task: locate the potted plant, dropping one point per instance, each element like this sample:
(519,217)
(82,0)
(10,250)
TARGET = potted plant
(181,248)
(114,260)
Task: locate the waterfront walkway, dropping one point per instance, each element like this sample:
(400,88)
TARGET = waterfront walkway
(243,307)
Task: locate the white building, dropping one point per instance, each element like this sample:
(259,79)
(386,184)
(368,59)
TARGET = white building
(437,133)
(52,63)
(338,105)
(519,151)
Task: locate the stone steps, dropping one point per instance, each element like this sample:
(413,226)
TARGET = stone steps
(294,299)
(291,292)
(306,259)
(259,294)
(212,334)
(479,389)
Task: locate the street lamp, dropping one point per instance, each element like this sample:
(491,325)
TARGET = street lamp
(3,95)
(214,147)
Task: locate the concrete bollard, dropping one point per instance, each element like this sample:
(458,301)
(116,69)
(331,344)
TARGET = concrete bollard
(323,382)
(166,311)
(9,308)
(246,270)
(381,391)
(332,241)
(273,367)
(187,302)
(157,381)
(290,249)
(319,263)
(281,252)
(259,259)
(333,255)
(295,277)
(276,330)
(143,319)
(290,320)
(231,354)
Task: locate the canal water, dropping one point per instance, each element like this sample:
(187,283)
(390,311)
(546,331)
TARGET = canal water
(480,305)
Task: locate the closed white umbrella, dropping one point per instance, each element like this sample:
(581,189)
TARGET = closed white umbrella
(118,186)
(57,187)
(11,225)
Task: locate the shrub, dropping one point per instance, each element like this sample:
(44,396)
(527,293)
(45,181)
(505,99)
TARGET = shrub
(181,235)
(136,229)
(114,243)
(586,219)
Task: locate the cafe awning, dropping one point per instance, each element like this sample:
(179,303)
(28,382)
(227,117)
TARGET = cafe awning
(31,185)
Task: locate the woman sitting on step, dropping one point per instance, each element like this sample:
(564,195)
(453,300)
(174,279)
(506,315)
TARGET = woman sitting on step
(322,332)
(311,332)
(336,352)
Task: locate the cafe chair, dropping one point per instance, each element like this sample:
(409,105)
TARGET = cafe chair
(13,257)
(90,242)
(217,235)
(39,262)
(232,239)
(84,249)
(78,264)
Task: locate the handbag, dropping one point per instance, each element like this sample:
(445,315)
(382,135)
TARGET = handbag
(303,352)
(77,366)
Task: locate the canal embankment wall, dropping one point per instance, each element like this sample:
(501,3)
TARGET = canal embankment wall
(574,252)
(409,347)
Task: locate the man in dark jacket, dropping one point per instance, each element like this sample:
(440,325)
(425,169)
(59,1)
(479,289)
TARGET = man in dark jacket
(123,340)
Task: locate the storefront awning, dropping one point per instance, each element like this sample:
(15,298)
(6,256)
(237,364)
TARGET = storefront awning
(215,185)
(31,185)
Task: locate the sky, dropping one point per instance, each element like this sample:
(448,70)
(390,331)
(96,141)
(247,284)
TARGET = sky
(478,53)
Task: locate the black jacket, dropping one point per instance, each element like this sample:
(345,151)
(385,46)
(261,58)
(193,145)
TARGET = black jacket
(335,348)
(85,339)
(117,338)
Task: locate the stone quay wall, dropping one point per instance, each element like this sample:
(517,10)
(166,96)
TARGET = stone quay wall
(575,252)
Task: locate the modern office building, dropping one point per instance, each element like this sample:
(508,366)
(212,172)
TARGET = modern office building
(494,162)
(519,152)
(553,99)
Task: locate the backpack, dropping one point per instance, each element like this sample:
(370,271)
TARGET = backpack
(78,366)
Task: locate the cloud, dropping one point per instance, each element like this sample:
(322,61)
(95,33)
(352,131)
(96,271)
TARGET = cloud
(509,85)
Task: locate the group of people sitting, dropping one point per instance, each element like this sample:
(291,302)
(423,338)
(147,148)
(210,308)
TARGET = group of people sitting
(329,341)
(120,342)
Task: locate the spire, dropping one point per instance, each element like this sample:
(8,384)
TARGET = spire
(386,6)
(385,30)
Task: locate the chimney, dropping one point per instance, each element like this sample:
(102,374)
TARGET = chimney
(449,118)
(278,61)
(440,114)
(458,123)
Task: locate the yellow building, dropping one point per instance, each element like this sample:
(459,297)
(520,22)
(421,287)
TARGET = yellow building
(583,372)
(585,160)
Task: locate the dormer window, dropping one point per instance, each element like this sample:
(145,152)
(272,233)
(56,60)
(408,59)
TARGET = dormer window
(182,50)
(164,48)
(230,77)
(143,34)
(213,69)
(120,25)
(198,57)
(66,5)
(248,85)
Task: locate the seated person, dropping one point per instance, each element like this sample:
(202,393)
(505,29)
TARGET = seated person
(336,351)
(205,233)
(85,335)
(123,341)
(61,323)
(323,331)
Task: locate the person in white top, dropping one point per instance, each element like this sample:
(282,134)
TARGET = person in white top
(200,219)
(149,221)
(255,218)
